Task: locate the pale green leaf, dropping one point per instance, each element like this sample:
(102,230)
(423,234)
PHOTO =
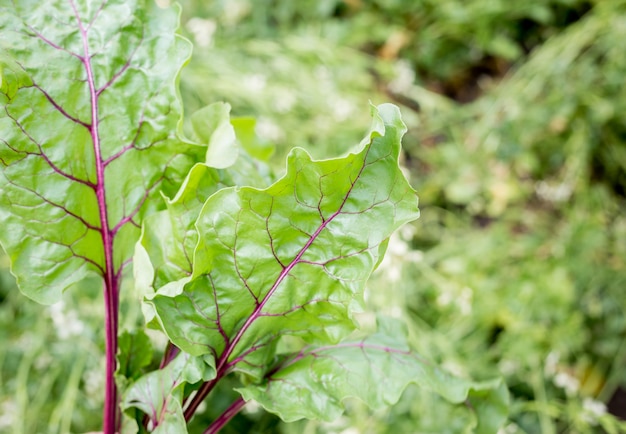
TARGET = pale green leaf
(89,115)
(292,258)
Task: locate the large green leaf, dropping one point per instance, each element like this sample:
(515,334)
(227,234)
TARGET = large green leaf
(88,134)
(292,258)
(314,382)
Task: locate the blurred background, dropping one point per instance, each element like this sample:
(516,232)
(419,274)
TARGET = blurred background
(517,148)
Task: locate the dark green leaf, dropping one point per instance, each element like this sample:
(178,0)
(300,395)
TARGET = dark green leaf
(134,354)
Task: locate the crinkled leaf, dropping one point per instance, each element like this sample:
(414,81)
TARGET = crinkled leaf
(89,115)
(159,393)
(314,383)
(212,125)
(163,254)
(292,258)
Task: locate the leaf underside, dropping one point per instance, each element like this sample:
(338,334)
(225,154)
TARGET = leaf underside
(376,369)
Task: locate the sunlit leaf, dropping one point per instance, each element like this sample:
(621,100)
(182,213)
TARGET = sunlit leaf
(88,134)
(290,259)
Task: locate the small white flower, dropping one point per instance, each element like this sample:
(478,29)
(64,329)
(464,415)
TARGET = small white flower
(94,382)
(43,361)
(553,193)
(454,368)
(396,312)
(445,297)
(66,324)
(7,414)
(508,367)
(254,83)
(322,74)
(397,246)
(342,108)
(464,301)
(285,100)
(405,76)
(268,130)
(202,31)
(592,410)
(509,429)
(394,272)
(393,262)
(551,363)
(407,232)
(234,11)
(415,256)
(567,382)
(252,407)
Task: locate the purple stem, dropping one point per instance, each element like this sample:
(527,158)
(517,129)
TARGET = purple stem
(111,279)
(225,417)
(171,351)
(199,397)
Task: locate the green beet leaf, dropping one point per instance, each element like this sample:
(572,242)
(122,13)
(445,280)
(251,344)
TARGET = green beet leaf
(314,382)
(89,121)
(291,259)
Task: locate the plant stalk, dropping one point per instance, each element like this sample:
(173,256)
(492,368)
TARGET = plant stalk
(199,397)
(110,415)
(225,417)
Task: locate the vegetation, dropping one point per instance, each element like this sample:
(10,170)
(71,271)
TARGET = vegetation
(515,145)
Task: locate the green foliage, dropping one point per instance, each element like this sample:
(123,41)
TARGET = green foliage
(521,236)
(313,382)
(242,269)
(515,268)
(77,114)
(229,272)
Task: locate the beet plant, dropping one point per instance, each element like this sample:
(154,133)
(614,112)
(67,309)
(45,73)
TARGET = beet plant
(258,283)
